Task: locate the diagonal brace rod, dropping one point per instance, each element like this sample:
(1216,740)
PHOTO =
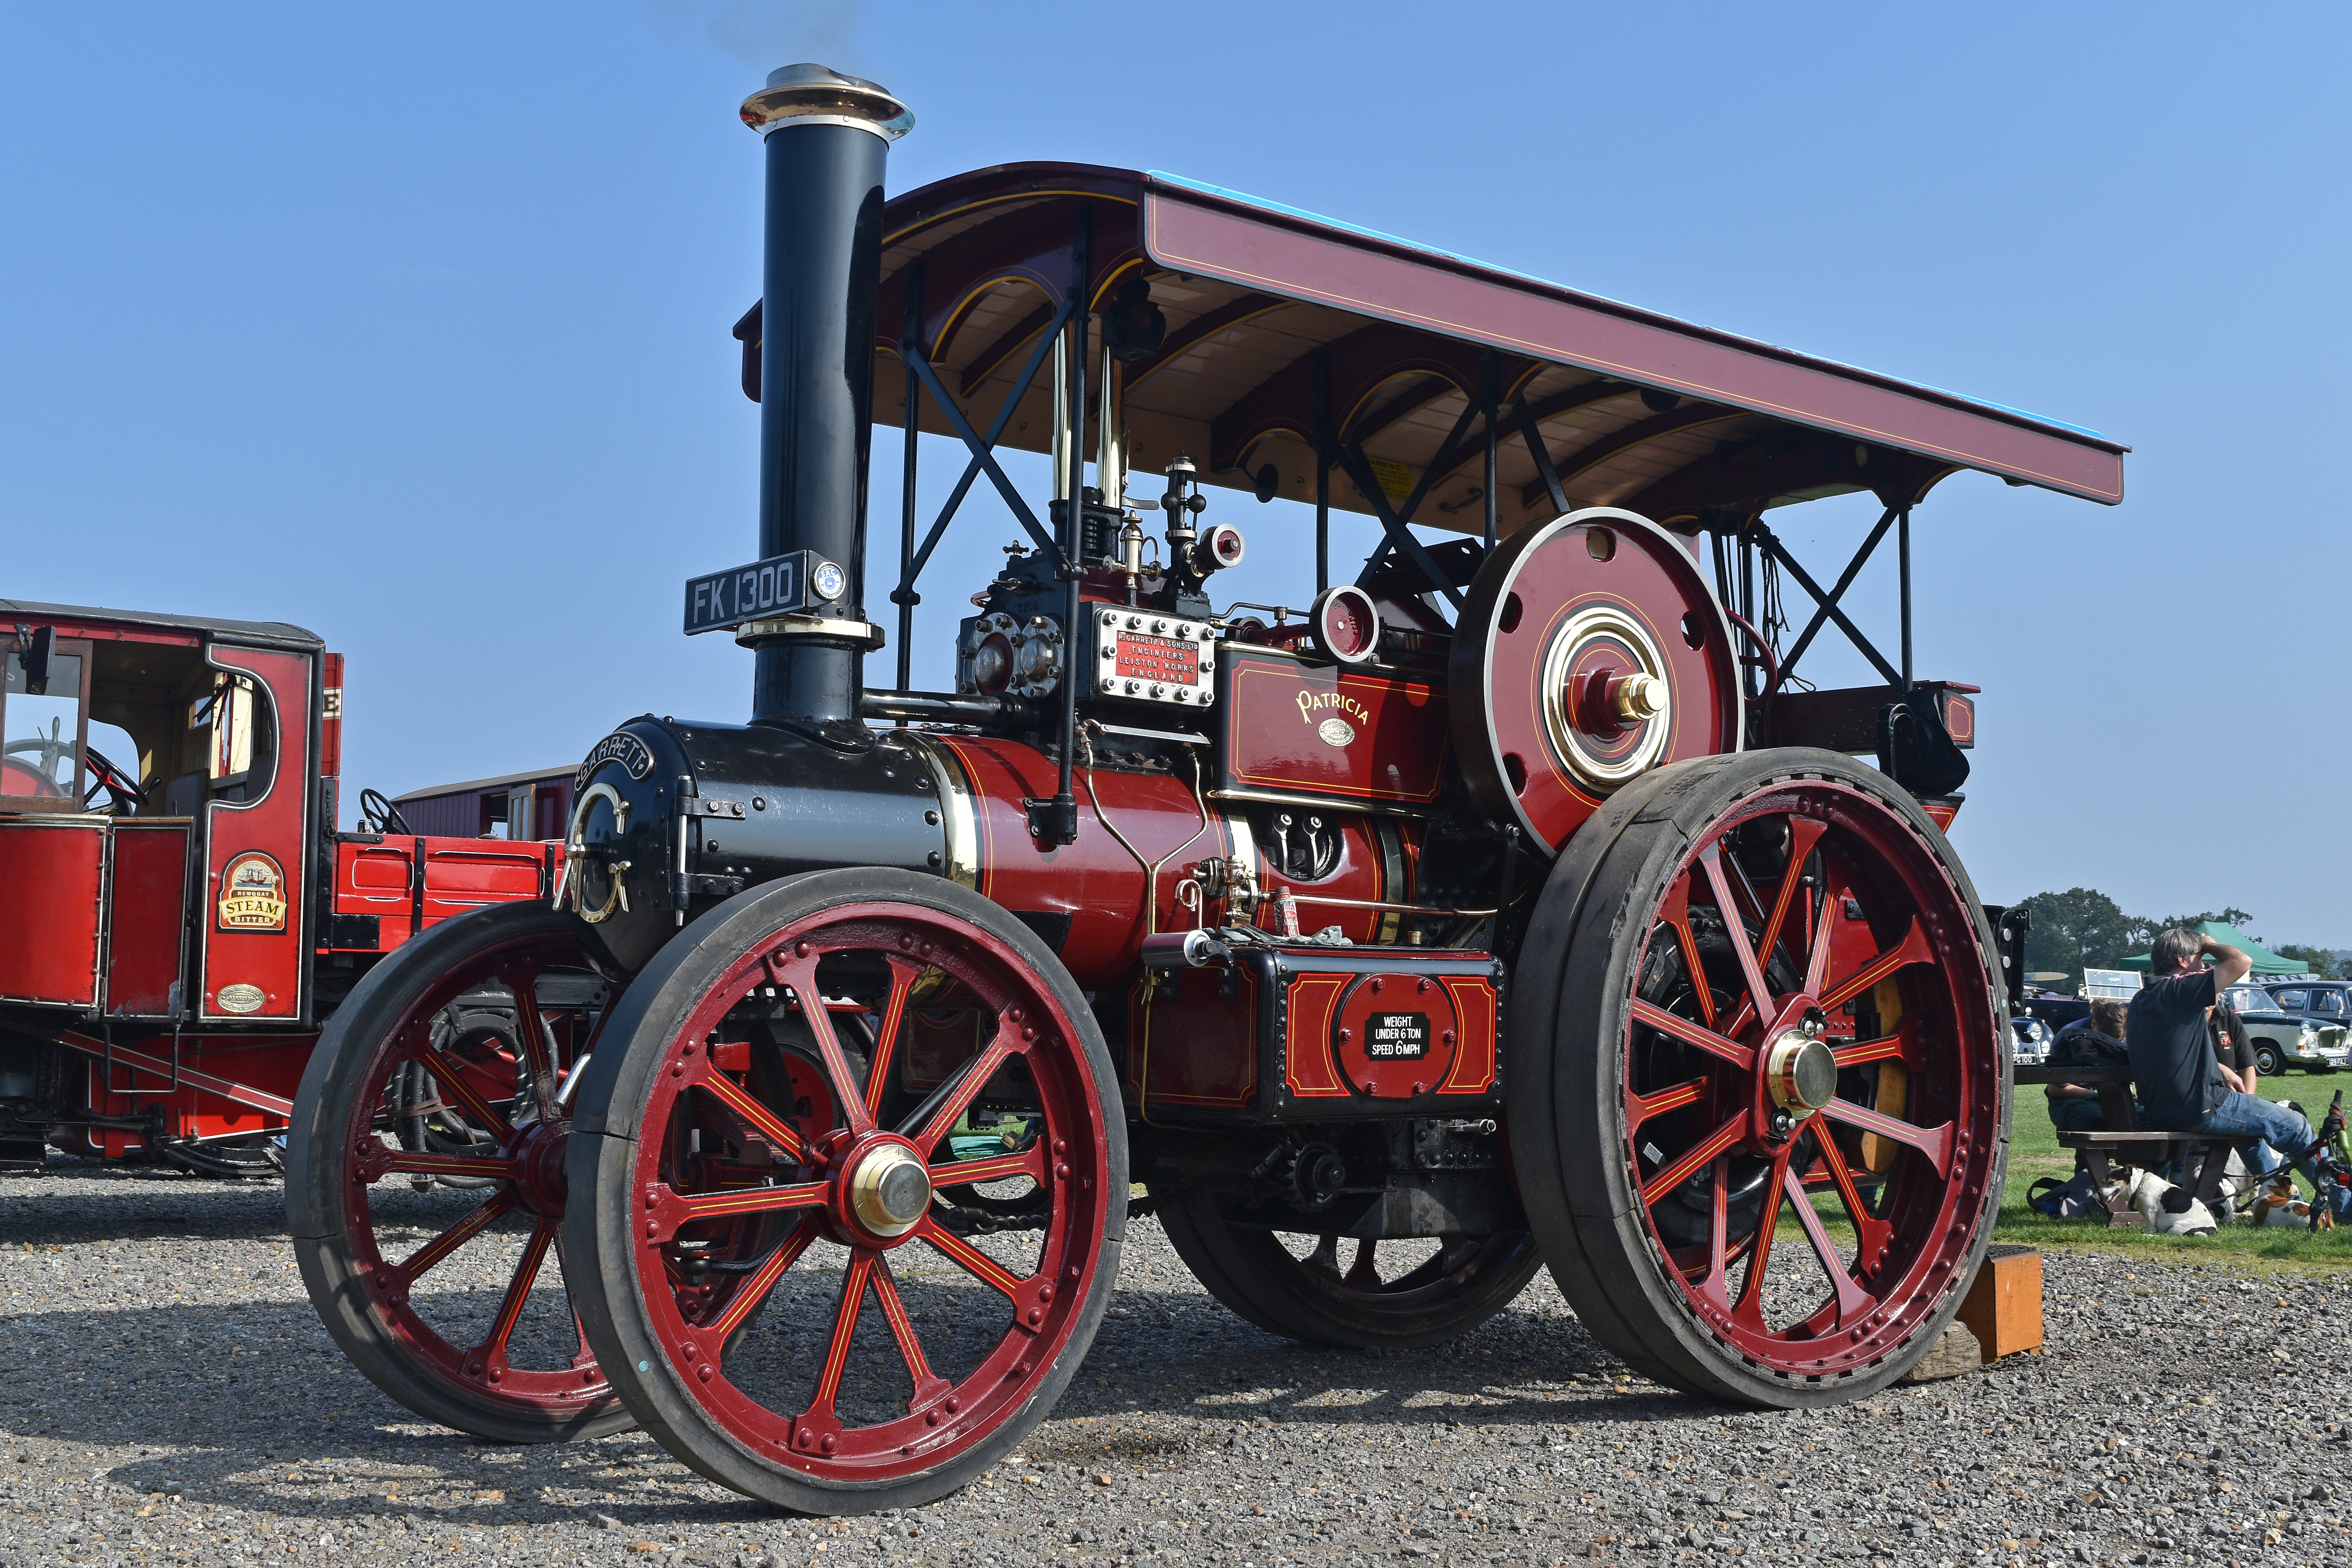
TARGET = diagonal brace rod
(1352,459)
(1829,601)
(1542,455)
(983,455)
(1852,567)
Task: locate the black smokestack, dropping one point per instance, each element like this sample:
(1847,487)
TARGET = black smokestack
(828,137)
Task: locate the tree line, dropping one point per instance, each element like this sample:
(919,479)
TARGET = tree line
(2082,928)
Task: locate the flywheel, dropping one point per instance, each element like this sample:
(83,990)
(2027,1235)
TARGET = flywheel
(1590,652)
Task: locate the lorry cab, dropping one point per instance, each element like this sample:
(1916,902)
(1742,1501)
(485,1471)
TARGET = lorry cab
(156,766)
(178,914)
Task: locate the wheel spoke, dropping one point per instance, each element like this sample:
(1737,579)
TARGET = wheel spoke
(449,1165)
(453,1083)
(1870,1234)
(947,1102)
(587,1357)
(1750,1303)
(928,1384)
(965,1254)
(1693,1160)
(847,1092)
(1675,912)
(1713,1284)
(1912,948)
(904,972)
(1735,929)
(1691,1033)
(674,1208)
(1364,1273)
(1852,1301)
(521,978)
(1935,1142)
(754,1290)
(1817,954)
(1029,1162)
(844,1327)
(737,1099)
(517,1297)
(1645,1106)
(1887,1048)
(456,1236)
(1803,834)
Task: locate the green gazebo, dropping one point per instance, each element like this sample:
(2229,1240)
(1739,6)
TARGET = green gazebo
(2265,961)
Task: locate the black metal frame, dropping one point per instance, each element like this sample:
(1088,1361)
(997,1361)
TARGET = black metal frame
(1738,546)
(1056,818)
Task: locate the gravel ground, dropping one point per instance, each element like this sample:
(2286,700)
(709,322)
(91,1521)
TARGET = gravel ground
(168,1395)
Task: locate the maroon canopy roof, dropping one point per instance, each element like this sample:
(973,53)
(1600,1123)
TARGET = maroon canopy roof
(1636,409)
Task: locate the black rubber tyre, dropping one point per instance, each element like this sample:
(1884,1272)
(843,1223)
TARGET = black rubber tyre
(1573,1041)
(363,1297)
(1469,1280)
(2269,1061)
(621,1174)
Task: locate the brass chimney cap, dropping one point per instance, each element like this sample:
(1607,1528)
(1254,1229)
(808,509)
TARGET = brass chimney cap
(819,95)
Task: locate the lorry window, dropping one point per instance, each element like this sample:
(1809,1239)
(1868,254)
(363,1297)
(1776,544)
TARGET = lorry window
(41,733)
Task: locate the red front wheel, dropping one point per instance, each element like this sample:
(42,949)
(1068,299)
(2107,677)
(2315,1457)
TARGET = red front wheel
(853,1191)
(1766,1088)
(424,1187)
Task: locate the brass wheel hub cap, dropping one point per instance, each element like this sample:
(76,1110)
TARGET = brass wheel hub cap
(890,1190)
(1802,1072)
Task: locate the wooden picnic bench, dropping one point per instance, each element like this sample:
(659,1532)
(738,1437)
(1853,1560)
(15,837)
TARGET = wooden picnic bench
(2123,1141)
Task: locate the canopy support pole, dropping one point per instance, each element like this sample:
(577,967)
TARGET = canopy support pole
(1902,552)
(1056,821)
(1487,393)
(911,335)
(1322,470)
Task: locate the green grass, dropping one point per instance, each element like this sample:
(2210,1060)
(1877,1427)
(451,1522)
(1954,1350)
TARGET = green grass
(2034,1152)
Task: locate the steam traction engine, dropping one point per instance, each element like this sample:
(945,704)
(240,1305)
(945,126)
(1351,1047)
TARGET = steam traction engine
(1504,906)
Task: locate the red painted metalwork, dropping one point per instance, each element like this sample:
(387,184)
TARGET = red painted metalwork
(1564,618)
(1874,947)
(254,956)
(49,938)
(511,1106)
(122,929)
(147,919)
(1328,735)
(1023,1310)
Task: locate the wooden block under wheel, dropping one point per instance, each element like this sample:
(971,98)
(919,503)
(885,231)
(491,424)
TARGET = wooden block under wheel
(2003,1308)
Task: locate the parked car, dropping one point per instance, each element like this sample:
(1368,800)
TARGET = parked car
(2329,1001)
(2282,1038)
(2055,1011)
(2029,1040)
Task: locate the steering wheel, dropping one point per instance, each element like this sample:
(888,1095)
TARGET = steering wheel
(44,773)
(122,789)
(378,814)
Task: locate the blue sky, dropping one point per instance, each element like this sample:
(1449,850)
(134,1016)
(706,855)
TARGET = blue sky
(409,324)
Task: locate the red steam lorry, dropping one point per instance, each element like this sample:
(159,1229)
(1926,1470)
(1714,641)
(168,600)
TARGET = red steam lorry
(1511,904)
(175,924)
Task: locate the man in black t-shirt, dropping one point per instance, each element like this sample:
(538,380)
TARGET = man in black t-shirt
(2174,1069)
(2231,1048)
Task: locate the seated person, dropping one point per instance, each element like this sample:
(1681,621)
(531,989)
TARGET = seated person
(2096,1041)
(2236,1054)
(2174,1070)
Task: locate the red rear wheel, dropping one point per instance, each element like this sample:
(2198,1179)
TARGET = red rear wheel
(916,1313)
(426,1184)
(1769,1119)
